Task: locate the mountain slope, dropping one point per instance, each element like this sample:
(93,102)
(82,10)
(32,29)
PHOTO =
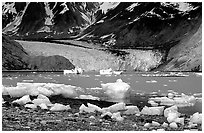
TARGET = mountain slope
(146,36)
(46,19)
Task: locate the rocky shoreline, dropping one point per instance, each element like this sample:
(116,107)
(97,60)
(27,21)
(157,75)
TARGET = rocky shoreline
(19,118)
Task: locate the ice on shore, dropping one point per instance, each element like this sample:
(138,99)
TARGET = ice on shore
(131,110)
(59,107)
(41,99)
(152,110)
(23,100)
(196,118)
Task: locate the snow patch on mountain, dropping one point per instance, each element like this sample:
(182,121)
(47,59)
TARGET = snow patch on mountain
(106,6)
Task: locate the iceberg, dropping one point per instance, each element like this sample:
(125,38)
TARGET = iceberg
(116,90)
(106,72)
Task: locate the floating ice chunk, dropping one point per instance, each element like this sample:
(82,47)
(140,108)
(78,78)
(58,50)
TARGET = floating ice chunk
(23,100)
(15,91)
(196,118)
(106,72)
(153,110)
(116,90)
(151,81)
(65,72)
(59,107)
(117,116)
(131,110)
(44,91)
(68,91)
(4,90)
(96,88)
(173,125)
(117,72)
(184,100)
(170,95)
(31,106)
(172,109)
(89,97)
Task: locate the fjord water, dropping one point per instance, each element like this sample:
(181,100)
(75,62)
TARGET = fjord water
(142,87)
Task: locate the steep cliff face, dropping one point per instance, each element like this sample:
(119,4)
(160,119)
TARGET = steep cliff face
(171,28)
(14,57)
(46,19)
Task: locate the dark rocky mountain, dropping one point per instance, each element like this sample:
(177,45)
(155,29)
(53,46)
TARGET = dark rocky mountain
(46,19)
(173,30)
(14,57)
